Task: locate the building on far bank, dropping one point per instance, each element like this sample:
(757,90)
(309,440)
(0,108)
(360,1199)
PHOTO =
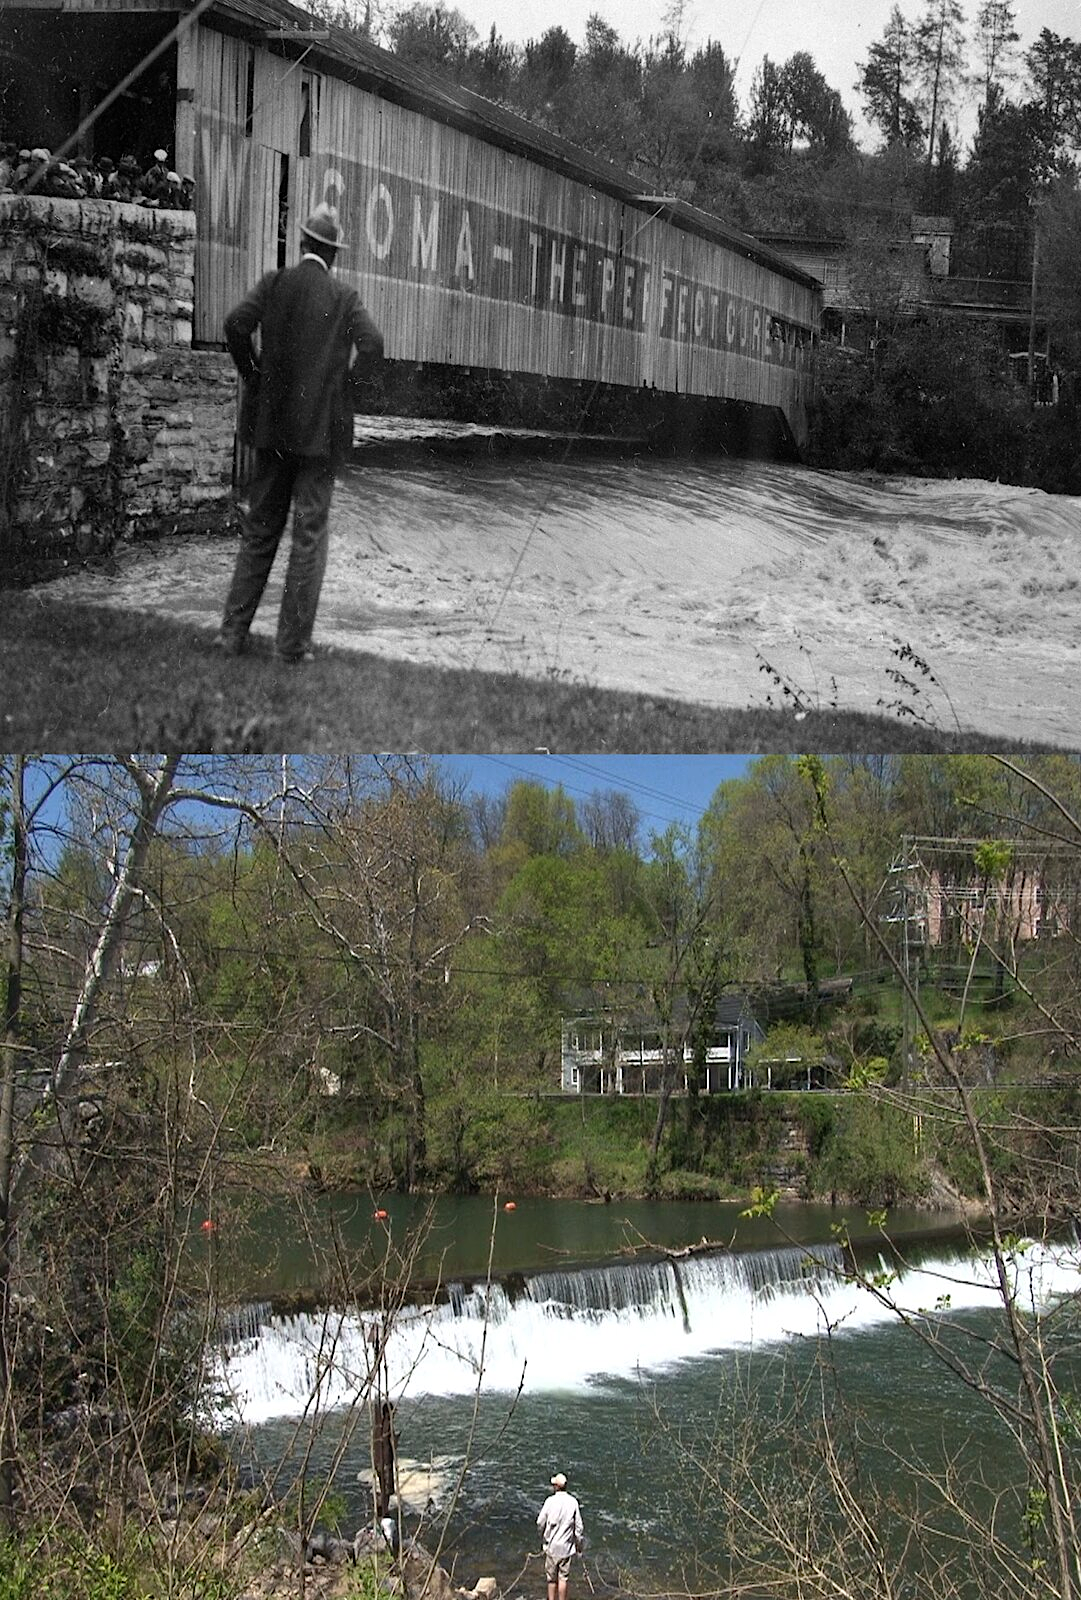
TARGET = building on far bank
(609,1052)
(870,280)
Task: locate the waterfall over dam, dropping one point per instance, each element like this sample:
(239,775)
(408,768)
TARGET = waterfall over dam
(564,1331)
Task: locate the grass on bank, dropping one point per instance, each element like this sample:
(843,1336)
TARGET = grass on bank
(79,676)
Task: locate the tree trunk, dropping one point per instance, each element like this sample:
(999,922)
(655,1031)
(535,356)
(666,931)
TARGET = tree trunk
(155,793)
(12,1030)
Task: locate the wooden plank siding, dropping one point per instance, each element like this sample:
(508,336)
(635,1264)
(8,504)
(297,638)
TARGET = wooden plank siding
(469,253)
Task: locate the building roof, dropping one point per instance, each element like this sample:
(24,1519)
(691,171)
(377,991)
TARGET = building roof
(731,1010)
(761,1007)
(386,74)
(292,29)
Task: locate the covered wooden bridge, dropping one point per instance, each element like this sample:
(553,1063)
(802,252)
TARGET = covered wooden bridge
(478,240)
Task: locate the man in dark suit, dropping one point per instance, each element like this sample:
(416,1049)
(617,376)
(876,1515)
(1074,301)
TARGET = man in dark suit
(297,412)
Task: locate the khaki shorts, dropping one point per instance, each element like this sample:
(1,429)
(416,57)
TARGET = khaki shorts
(556,1567)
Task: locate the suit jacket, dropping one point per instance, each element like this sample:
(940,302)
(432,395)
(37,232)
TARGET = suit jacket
(297,390)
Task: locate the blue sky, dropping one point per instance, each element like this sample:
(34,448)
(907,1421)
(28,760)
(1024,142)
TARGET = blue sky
(664,788)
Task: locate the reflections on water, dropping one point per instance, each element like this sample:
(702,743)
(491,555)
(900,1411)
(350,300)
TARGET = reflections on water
(281,1249)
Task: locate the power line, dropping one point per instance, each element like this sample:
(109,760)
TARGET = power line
(626,783)
(535,777)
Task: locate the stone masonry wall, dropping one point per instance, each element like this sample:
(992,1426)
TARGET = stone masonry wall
(110,423)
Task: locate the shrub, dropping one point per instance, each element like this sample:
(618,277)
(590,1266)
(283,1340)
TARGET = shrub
(935,398)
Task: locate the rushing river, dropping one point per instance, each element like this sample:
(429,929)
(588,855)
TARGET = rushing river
(624,1373)
(681,577)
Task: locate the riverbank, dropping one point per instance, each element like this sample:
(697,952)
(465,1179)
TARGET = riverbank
(78,674)
(845,1146)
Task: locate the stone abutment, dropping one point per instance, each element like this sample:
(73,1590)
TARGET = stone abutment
(111,424)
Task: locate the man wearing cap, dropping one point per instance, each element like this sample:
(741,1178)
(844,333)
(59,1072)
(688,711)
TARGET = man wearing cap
(560,1524)
(155,178)
(297,412)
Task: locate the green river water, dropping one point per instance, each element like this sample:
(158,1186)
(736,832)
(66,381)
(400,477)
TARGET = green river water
(632,1377)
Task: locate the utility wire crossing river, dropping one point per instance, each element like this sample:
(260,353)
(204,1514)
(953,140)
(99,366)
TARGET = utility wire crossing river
(681,577)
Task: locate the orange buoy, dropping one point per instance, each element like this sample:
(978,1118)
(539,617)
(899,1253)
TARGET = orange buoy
(511,1205)
(208,1226)
(380,1215)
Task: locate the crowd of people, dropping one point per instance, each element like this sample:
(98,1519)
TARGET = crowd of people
(37,171)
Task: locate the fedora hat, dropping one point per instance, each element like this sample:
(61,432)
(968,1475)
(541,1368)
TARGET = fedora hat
(324,227)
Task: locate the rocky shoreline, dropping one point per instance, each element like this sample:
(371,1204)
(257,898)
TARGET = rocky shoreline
(332,1568)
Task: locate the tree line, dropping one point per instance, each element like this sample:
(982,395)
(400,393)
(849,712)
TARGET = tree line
(787,161)
(387,960)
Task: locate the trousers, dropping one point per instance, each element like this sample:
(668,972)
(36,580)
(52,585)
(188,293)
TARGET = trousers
(279,480)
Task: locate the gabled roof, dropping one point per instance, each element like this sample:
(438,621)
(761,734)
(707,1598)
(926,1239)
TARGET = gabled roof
(386,74)
(638,1013)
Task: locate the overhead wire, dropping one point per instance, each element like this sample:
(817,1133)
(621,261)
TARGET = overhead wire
(637,787)
(528,772)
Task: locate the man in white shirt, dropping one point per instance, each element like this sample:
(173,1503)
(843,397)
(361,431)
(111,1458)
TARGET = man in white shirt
(560,1524)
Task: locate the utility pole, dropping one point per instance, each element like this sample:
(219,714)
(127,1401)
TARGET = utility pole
(906,1005)
(1032,300)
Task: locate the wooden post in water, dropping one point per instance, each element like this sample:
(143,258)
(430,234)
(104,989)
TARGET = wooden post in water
(1032,304)
(384,1456)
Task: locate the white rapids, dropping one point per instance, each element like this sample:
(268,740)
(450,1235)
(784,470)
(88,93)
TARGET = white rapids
(682,577)
(565,1331)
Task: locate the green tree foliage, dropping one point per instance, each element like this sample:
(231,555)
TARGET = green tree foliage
(435,38)
(539,821)
(934,398)
(1054,72)
(546,83)
(490,68)
(871,1155)
(1060,236)
(766,129)
(604,117)
(785,1054)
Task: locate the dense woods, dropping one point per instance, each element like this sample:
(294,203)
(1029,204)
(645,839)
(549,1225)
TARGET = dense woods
(370,970)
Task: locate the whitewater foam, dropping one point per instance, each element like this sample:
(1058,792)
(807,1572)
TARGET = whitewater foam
(567,1331)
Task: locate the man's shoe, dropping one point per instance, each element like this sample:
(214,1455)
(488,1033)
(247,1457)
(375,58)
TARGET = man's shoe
(297,658)
(230,644)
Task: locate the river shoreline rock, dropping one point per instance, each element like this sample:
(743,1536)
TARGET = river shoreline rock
(329,1565)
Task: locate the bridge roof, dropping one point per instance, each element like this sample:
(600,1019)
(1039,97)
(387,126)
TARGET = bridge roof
(346,55)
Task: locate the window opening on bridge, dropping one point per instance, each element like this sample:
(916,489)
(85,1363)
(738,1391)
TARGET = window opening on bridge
(309,113)
(283,211)
(249,100)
